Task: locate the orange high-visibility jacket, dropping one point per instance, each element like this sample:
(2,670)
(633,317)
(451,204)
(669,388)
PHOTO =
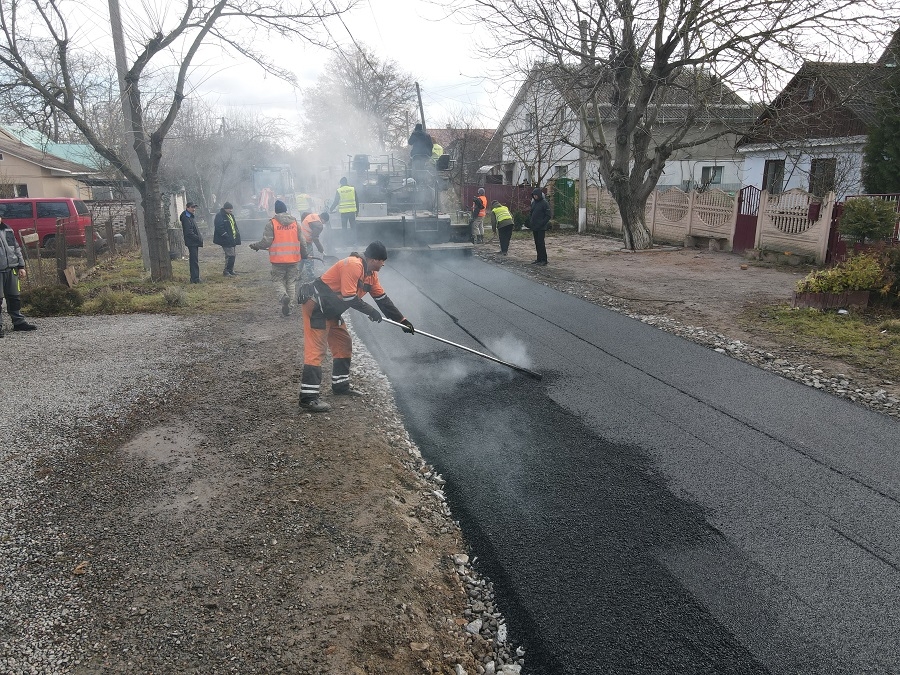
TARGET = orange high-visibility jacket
(311,228)
(285,247)
(483,200)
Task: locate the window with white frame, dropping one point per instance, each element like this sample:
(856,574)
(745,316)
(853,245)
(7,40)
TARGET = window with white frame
(711,175)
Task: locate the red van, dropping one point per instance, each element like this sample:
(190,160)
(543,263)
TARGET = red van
(42,214)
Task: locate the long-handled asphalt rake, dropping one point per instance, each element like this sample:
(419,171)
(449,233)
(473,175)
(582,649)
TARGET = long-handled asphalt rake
(530,373)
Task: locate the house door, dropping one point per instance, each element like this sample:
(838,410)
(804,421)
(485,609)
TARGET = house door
(748,212)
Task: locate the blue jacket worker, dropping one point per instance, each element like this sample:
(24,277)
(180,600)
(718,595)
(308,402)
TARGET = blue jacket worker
(12,270)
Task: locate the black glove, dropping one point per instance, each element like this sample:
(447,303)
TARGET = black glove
(408,327)
(374,315)
(254,247)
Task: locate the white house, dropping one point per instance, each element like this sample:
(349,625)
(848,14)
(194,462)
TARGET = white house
(536,140)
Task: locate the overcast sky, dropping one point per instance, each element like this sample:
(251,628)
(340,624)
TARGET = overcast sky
(437,52)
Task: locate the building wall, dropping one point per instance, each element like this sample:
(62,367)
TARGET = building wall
(39,181)
(798,163)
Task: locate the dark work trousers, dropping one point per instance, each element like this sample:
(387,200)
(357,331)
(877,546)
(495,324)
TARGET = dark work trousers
(505,233)
(539,244)
(9,289)
(348,219)
(194,263)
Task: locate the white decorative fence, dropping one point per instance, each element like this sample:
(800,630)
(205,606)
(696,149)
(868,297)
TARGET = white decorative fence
(795,221)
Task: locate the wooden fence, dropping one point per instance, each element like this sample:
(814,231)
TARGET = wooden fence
(63,263)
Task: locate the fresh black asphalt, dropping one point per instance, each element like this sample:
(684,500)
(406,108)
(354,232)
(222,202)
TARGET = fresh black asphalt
(650,506)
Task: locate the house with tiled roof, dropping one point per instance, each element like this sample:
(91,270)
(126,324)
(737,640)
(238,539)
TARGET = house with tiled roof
(26,171)
(536,138)
(812,136)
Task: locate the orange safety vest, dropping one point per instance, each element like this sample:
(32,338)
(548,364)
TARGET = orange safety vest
(311,228)
(285,247)
(483,200)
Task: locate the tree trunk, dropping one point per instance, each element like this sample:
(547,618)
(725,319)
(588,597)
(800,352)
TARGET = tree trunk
(157,230)
(634,228)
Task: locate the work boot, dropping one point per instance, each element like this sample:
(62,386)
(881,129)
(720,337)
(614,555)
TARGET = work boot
(315,405)
(2,333)
(347,392)
(286,306)
(24,326)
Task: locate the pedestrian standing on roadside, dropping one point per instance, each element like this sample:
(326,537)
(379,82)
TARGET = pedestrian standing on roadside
(192,239)
(228,236)
(12,271)
(502,222)
(282,238)
(539,222)
(341,287)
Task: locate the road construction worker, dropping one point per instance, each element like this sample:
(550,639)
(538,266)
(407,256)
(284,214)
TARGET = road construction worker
(12,271)
(303,202)
(479,209)
(502,223)
(342,286)
(347,204)
(421,146)
(311,229)
(284,241)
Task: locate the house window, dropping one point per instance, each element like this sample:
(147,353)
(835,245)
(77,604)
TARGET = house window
(773,176)
(22,190)
(822,174)
(531,122)
(561,171)
(711,175)
(810,92)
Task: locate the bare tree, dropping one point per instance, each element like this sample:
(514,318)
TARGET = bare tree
(41,56)
(651,77)
(360,104)
(538,131)
(211,153)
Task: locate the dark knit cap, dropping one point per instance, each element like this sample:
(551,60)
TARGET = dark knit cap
(227,205)
(376,251)
(280,206)
(537,191)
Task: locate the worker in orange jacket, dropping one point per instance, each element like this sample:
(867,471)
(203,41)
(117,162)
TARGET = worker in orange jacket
(479,209)
(342,286)
(311,229)
(284,241)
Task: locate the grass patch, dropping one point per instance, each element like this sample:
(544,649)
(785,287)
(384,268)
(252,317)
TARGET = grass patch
(866,339)
(120,287)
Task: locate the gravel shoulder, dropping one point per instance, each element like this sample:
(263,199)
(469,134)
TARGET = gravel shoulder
(168,509)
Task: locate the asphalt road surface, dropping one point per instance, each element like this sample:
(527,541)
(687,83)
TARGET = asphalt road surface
(650,506)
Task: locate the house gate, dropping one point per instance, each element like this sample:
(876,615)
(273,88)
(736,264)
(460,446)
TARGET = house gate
(745,225)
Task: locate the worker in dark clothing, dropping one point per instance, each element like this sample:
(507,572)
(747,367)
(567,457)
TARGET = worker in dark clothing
(420,147)
(192,239)
(228,236)
(12,271)
(342,286)
(502,223)
(539,222)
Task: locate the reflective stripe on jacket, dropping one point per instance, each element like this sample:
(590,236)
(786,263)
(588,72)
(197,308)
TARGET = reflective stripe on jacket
(285,246)
(348,199)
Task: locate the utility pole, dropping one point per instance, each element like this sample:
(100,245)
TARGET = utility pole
(115,21)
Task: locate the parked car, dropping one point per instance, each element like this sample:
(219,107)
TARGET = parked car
(42,213)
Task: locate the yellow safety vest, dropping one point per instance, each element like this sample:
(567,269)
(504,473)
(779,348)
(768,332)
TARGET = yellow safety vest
(501,213)
(436,151)
(348,199)
(285,247)
(302,202)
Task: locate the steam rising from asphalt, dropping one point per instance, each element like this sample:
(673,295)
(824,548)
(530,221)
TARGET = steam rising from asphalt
(512,349)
